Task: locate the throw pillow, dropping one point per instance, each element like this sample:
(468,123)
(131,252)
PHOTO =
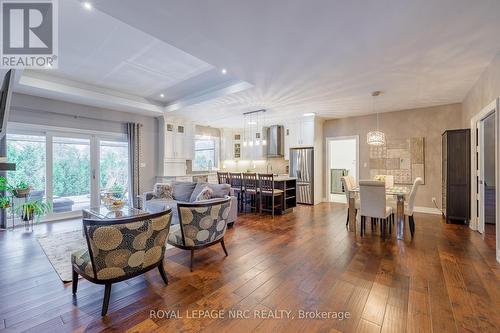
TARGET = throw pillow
(205,194)
(163,191)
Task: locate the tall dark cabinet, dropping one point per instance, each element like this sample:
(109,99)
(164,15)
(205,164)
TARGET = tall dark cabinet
(456,175)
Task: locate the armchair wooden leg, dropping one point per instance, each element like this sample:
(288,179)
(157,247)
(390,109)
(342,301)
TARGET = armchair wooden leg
(105,301)
(192,257)
(75,281)
(162,273)
(223,246)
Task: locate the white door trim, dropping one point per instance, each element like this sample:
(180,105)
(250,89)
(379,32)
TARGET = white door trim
(474,223)
(327,162)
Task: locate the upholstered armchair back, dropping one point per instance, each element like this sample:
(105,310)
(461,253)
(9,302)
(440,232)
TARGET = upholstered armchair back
(126,247)
(204,222)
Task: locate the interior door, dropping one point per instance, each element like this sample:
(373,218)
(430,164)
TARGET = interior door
(480,175)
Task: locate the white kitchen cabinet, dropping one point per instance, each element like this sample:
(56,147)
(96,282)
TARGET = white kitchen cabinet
(188,142)
(231,144)
(169,145)
(306,135)
(299,133)
(178,140)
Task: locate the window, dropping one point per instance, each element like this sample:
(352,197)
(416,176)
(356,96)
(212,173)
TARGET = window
(28,152)
(71,174)
(205,153)
(113,168)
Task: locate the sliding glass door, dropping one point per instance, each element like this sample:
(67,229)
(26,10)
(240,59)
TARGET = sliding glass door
(71,174)
(113,166)
(69,170)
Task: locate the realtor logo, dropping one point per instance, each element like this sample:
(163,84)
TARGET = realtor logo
(29,34)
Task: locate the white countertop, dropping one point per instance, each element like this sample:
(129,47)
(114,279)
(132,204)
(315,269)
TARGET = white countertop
(282,178)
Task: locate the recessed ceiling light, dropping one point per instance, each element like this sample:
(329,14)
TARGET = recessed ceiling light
(162,95)
(308,114)
(252,123)
(87,5)
(224,71)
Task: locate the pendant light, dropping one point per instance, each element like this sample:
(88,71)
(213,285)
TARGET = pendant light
(375,138)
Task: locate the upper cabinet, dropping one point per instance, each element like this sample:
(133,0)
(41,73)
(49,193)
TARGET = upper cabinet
(299,133)
(231,144)
(178,139)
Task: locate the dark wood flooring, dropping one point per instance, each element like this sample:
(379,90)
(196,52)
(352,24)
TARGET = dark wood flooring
(444,280)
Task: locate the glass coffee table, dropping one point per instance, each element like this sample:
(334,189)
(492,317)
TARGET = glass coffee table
(103,213)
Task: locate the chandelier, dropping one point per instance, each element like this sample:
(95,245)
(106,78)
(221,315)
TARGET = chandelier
(252,128)
(377,137)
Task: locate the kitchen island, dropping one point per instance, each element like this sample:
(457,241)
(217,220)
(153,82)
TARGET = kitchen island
(289,187)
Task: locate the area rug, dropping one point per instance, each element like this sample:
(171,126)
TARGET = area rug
(58,249)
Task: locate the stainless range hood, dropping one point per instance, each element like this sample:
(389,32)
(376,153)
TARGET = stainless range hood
(275,141)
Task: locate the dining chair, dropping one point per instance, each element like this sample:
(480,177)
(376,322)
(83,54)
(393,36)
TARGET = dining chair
(351,181)
(120,249)
(373,204)
(223,177)
(348,187)
(250,184)
(267,190)
(410,204)
(236,182)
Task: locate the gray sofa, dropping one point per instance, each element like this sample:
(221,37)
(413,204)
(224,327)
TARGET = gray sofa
(187,192)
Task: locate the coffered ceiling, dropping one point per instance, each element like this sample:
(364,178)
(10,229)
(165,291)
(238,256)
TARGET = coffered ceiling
(287,56)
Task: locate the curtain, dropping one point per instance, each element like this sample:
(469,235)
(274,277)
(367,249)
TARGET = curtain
(133,138)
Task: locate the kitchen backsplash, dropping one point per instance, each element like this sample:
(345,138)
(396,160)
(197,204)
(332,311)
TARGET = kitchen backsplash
(278,165)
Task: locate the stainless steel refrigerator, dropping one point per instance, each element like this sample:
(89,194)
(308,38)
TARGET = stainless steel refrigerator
(302,167)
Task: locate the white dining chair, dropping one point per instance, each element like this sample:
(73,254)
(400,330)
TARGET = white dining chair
(373,204)
(351,180)
(347,182)
(411,204)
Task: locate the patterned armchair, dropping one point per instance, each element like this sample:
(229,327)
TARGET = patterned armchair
(121,249)
(202,224)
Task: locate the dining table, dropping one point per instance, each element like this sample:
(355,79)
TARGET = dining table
(399,192)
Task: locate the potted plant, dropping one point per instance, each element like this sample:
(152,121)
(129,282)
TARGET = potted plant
(4,202)
(31,209)
(5,186)
(21,190)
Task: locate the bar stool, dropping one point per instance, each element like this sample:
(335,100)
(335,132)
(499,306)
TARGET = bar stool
(236,182)
(250,185)
(267,190)
(223,177)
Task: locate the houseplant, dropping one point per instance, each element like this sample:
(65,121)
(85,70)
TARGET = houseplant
(31,209)
(4,202)
(20,190)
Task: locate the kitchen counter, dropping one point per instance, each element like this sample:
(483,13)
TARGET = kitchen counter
(283,178)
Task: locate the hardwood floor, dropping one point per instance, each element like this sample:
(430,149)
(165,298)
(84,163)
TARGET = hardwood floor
(444,280)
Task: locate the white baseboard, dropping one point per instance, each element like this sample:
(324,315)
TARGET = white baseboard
(427,210)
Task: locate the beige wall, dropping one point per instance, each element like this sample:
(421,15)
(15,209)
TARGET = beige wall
(429,123)
(486,89)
